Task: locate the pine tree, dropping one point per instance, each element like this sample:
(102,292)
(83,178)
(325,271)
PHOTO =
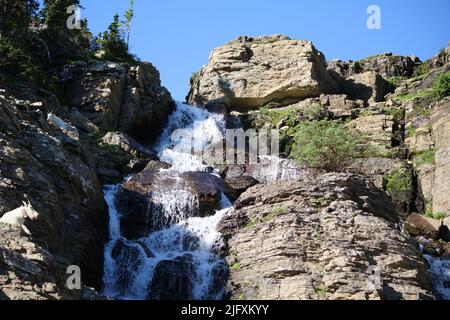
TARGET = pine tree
(55,13)
(112,41)
(15,18)
(128,18)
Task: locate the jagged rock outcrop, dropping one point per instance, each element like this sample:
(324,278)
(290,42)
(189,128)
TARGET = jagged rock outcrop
(386,65)
(321,237)
(248,73)
(368,86)
(193,193)
(54,170)
(119,97)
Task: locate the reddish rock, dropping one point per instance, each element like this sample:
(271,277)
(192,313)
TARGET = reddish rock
(418,225)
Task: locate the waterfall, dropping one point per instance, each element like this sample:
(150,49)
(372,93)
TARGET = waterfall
(184,251)
(439,269)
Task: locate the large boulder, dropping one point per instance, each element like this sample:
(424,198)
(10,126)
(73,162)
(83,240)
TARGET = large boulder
(173,279)
(418,225)
(248,73)
(56,173)
(152,200)
(322,237)
(367,86)
(127,144)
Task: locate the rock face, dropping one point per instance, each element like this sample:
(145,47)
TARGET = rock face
(128,145)
(250,72)
(172,280)
(418,225)
(116,97)
(367,86)
(55,171)
(440,120)
(322,237)
(190,194)
(387,65)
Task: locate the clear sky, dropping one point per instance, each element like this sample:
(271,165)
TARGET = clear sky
(178,35)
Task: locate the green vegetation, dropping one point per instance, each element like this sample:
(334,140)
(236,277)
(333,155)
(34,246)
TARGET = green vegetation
(421,110)
(327,145)
(441,87)
(429,213)
(119,157)
(426,157)
(112,42)
(322,291)
(399,181)
(413,95)
(194,77)
(315,112)
(436,215)
(411,131)
(396,81)
(276,115)
(398,113)
(55,13)
(29,53)
(252,222)
(439,90)
(321,201)
(235,267)
(273,214)
(242,296)
(423,69)
(369,58)
(129,14)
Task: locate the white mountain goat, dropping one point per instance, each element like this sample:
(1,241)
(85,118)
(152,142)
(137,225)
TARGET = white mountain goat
(60,123)
(17,216)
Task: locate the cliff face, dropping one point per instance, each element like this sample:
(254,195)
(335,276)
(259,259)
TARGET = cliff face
(296,240)
(56,167)
(54,170)
(318,238)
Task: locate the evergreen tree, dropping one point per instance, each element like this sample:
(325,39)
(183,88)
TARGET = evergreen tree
(128,18)
(112,42)
(55,13)
(15,18)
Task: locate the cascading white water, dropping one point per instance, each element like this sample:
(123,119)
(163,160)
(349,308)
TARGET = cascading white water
(440,275)
(182,241)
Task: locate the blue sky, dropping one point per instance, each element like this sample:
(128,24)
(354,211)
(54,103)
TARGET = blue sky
(178,35)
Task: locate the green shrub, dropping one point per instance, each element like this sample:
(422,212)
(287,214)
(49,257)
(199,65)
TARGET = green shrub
(276,115)
(235,267)
(426,157)
(413,95)
(424,68)
(327,145)
(194,77)
(251,223)
(441,87)
(395,81)
(399,181)
(315,112)
(113,44)
(429,213)
(116,154)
